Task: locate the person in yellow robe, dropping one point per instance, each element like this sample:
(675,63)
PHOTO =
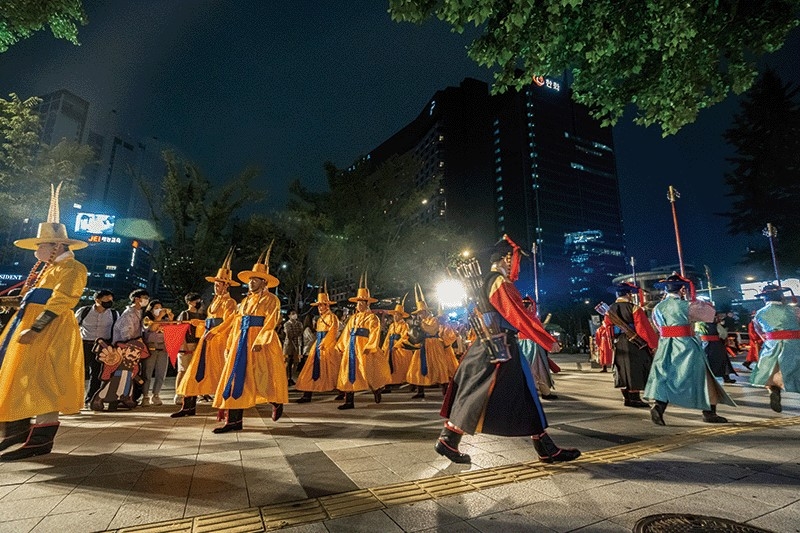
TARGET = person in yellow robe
(321,369)
(41,352)
(399,357)
(363,363)
(254,369)
(429,363)
(205,367)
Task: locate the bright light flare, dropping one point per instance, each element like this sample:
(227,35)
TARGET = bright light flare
(450,293)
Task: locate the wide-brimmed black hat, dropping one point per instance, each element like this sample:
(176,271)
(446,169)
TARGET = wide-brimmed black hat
(772,291)
(674,282)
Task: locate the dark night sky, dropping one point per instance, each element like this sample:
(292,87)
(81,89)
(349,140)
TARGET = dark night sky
(291,87)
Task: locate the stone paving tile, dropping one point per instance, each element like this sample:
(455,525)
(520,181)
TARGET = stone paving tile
(471,504)
(146,512)
(456,527)
(515,495)
(568,482)
(31,508)
(20,526)
(86,499)
(366,523)
(783,519)
(606,526)
(771,489)
(213,502)
(317,527)
(158,482)
(85,520)
(506,522)
(375,478)
(215,477)
(361,464)
(421,515)
(617,498)
(559,514)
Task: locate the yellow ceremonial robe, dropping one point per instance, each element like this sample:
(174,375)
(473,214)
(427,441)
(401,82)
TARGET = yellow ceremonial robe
(249,377)
(324,348)
(363,363)
(203,378)
(398,357)
(47,374)
(430,366)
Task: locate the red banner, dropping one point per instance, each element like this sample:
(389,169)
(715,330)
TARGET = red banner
(174,337)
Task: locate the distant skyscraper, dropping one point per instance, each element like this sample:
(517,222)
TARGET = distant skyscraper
(64,116)
(529,163)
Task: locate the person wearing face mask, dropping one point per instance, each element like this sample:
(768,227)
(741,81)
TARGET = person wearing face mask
(196,318)
(155,366)
(96,322)
(127,328)
(41,355)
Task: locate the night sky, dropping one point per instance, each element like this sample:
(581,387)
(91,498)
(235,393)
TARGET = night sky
(287,88)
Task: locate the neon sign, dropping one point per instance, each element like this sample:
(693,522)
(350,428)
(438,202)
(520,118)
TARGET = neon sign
(104,239)
(541,81)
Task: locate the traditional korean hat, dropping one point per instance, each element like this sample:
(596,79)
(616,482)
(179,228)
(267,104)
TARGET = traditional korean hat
(400,309)
(261,270)
(322,297)
(362,295)
(52,230)
(225,274)
(420,299)
(772,292)
(676,282)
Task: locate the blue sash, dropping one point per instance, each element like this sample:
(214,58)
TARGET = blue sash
(201,365)
(236,379)
(423,354)
(33,296)
(351,359)
(315,372)
(392,339)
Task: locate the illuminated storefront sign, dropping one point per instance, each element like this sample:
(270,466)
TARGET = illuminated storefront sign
(104,239)
(541,81)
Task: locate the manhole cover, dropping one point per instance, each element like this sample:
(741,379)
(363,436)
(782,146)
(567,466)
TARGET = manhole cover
(691,523)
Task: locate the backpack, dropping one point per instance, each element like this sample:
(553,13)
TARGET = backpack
(85,311)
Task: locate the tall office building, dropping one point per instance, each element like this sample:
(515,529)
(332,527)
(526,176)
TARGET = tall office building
(532,164)
(64,116)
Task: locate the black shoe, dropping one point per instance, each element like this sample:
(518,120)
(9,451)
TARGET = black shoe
(657,413)
(605,369)
(747,364)
(634,400)
(452,454)
(233,421)
(387,390)
(339,396)
(16,432)
(305,398)
(420,394)
(548,451)
(377,395)
(775,399)
(277,411)
(188,407)
(39,442)
(729,380)
(713,418)
(549,397)
(346,406)
(291,382)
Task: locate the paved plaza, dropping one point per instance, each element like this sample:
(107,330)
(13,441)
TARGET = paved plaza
(374,468)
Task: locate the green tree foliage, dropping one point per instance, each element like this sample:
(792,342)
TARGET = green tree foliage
(27,168)
(197,220)
(19,19)
(371,220)
(765,179)
(669,59)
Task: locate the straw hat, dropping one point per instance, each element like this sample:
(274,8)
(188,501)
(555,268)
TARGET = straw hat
(362,295)
(420,298)
(322,297)
(52,230)
(400,309)
(225,274)
(261,270)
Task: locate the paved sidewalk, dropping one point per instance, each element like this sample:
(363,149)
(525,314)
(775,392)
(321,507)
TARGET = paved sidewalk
(112,471)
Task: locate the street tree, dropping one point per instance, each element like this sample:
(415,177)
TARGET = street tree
(27,167)
(196,219)
(668,59)
(764,181)
(19,19)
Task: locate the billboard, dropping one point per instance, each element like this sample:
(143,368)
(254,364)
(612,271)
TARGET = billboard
(94,224)
(749,290)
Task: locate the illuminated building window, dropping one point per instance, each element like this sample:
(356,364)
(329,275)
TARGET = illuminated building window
(501,218)
(111,267)
(500,198)
(499,188)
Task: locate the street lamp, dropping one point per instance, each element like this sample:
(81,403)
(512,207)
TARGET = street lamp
(465,254)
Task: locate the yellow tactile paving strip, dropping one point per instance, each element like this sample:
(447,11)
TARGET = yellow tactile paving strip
(360,501)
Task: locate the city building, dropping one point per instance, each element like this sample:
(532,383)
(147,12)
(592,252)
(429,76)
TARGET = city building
(532,164)
(64,116)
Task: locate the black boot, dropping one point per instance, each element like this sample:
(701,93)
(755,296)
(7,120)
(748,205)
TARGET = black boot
(340,396)
(349,401)
(444,388)
(16,432)
(747,364)
(277,411)
(627,401)
(40,442)
(447,445)
(188,407)
(775,399)
(657,413)
(634,400)
(305,398)
(549,452)
(420,393)
(712,417)
(377,394)
(233,421)
(387,389)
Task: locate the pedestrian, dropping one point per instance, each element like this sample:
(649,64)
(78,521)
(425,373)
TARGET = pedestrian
(680,373)
(204,369)
(754,344)
(123,383)
(321,369)
(254,369)
(633,349)
(534,351)
(711,337)
(292,343)
(196,318)
(155,366)
(496,395)
(778,366)
(394,345)
(363,366)
(41,353)
(96,321)
(429,361)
